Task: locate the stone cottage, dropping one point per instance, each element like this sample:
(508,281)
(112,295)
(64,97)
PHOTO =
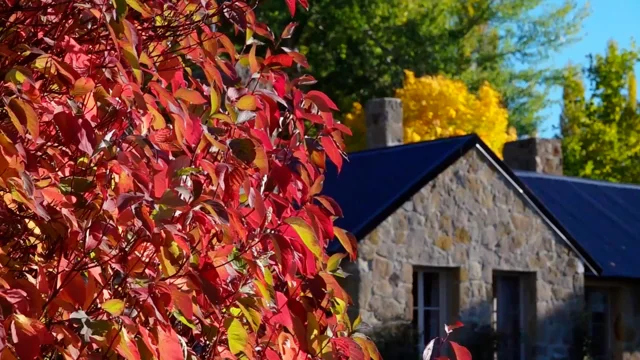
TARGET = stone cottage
(448,231)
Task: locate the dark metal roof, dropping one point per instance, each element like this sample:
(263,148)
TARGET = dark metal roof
(375,183)
(604,217)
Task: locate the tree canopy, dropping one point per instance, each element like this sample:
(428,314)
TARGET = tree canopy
(436,107)
(147,213)
(358,49)
(601,130)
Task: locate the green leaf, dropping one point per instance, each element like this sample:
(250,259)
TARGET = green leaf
(121,7)
(307,235)
(334,262)
(76,184)
(183,319)
(114,307)
(188,171)
(237,336)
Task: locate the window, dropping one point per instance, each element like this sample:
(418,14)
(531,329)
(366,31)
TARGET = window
(430,299)
(513,299)
(599,307)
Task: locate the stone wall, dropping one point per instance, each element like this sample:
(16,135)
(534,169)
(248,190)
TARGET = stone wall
(470,219)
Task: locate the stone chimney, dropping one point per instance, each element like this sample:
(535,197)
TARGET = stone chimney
(539,155)
(384,122)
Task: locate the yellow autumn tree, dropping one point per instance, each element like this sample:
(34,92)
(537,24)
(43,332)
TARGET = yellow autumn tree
(437,107)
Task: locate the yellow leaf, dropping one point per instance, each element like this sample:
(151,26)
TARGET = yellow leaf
(266,293)
(236,335)
(313,331)
(253,62)
(190,96)
(158,121)
(253,316)
(334,262)
(357,322)
(82,87)
(139,7)
(21,114)
(215,100)
(18,75)
(247,102)
(307,235)
(167,268)
(268,277)
(368,347)
(114,306)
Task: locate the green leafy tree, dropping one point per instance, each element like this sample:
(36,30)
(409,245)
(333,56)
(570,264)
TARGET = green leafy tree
(358,49)
(601,132)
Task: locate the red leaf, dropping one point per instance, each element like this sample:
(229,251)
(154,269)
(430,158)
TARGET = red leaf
(168,344)
(160,180)
(283,313)
(321,100)
(279,60)
(292,7)
(330,204)
(348,347)
(183,302)
(450,328)
(462,353)
(28,334)
(75,131)
(146,336)
(126,346)
(332,151)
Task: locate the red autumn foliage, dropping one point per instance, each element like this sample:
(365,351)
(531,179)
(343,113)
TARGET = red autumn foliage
(155,203)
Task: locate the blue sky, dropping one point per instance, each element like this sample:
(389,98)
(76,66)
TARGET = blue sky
(609,19)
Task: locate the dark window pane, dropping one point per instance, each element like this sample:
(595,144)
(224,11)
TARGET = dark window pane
(414,289)
(431,289)
(508,316)
(431,324)
(598,305)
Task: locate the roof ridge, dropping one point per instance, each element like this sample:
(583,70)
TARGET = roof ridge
(575,179)
(410,145)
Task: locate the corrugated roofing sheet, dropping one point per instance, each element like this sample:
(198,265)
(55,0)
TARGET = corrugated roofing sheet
(373,181)
(603,217)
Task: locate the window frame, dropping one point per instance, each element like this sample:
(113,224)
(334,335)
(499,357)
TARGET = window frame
(525,280)
(444,291)
(609,318)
